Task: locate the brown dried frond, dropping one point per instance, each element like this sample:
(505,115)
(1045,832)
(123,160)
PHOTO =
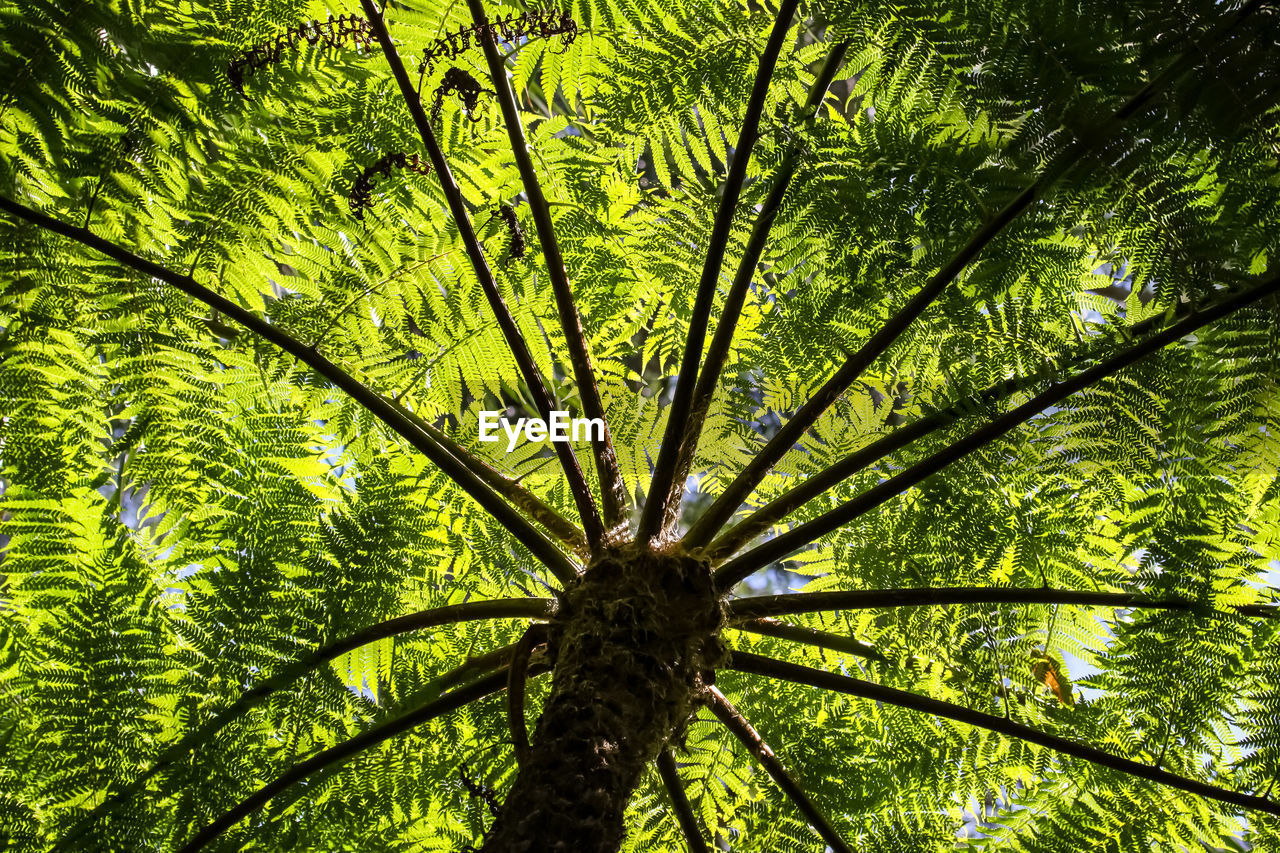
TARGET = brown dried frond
(362,191)
(329,33)
(467,87)
(511,29)
(1047,669)
(476,788)
(508,215)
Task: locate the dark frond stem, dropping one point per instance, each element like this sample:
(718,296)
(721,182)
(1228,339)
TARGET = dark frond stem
(741,487)
(810,637)
(718,351)
(474,665)
(345,751)
(758,522)
(473,668)
(758,665)
(519,527)
(612,489)
(798,537)
(93,200)
(737,492)
(578,486)
(664,483)
(760,606)
(536,508)
(680,802)
(515,608)
(533,636)
(747,735)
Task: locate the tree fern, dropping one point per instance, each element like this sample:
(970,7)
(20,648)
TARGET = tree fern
(937,503)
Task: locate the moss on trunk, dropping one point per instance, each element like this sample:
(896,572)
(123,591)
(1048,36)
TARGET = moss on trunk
(636,640)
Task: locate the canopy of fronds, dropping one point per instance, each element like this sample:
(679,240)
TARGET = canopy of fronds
(185,509)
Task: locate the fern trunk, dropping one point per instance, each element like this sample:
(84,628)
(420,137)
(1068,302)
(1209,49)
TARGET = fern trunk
(632,651)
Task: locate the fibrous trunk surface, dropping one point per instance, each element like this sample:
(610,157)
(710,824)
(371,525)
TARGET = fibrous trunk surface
(636,641)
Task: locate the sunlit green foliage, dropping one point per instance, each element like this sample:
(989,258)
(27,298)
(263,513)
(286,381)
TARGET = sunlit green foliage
(184,509)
